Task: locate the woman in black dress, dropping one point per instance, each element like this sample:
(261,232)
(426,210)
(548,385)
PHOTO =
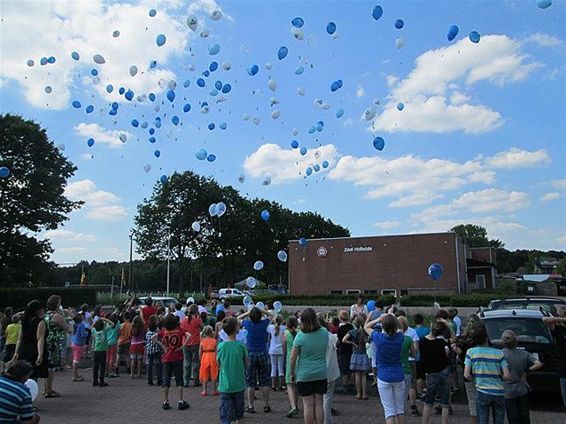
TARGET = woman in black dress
(31,345)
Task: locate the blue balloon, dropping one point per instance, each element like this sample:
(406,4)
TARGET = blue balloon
(157,124)
(316,167)
(213,66)
(187,107)
(340,113)
(143,124)
(377,12)
(325,164)
(153,64)
(303,242)
(223,125)
(152,12)
(331,28)
(474,37)
(400,106)
(51,59)
(121,90)
(152,139)
(218,85)
(186,83)
(309,171)
(299,70)
(4,172)
(544,4)
(303,151)
(112,112)
(206,73)
(282,53)
(152,130)
(160,40)
(399,23)
(76,104)
(452,32)
(211,158)
(226,88)
(135,123)
(294,144)
(297,22)
(319,127)
(151,97)
(43,61)
(163,179)
(157,153)
(312,129)
(175,120)
(201,82)
(115,105)
(265,215)
(90,142)
(211,126)
(214,49)
(89,109)
(371,305)
(378,143)
(171,95)
(94,72)
(252,70)
(435,271)
(75,56)
(109,88)
(129,95)
(201,154)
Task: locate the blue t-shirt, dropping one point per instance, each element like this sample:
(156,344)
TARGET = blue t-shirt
(257,335)
(388,353)
(80,334)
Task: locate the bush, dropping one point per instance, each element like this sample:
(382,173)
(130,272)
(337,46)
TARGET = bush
(472,299)
(72,296)
(326,300)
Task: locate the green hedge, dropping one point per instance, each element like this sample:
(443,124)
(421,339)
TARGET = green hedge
(328,300)
(72,296)
(470,300)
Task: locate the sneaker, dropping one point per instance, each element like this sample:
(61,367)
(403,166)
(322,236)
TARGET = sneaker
(415,412)
(113,375)
(183,405)
(166,406)
(95,383)
(292,413)
(103,384)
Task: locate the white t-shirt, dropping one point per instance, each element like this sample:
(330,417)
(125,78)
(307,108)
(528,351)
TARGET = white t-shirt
(333,371)
(179,314)
(412,333)
(458,321)
(275,341)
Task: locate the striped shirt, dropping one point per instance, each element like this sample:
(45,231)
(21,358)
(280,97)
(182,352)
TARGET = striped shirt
(487,365)
(15,401)
(151,347)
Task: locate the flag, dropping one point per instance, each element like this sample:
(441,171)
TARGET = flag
(84,280)
(123,278)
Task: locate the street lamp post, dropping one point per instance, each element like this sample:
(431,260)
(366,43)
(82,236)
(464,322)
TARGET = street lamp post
(131,271)
(168,259)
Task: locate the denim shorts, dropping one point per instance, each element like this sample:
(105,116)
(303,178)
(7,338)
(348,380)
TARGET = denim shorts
(438,384)
(231,407)
(259,370)
(170,369)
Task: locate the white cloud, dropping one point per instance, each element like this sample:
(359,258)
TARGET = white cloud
(386,225)
(74,249)
(67,235)
(51,28)
(543,40)
(101,134)
(562,239)
(517,158)
(281,165)
(99,204)
(547,197)
(360,92)
(559,183)
(432,92)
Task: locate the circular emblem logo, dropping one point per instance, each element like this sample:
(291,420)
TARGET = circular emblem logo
(322,252)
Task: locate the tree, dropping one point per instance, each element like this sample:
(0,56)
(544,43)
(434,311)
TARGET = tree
(476,236)
(31,199)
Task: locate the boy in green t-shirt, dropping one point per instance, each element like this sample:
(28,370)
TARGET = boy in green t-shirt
(232,360)
(100,330)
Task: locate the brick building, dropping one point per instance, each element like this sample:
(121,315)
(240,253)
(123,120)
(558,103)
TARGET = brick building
(379,264)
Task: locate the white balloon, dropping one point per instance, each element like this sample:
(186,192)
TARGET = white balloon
(204,33)
(256,120)
(317,154)
(204,109)
(162,83)
(220,209)
(191,67)
(301,91)
(241,178)
(61,147)
(268,66)
(295,131)
(123,137)
(246,116)
(399,42)
(369,114)
(33,388)
(215,15)
(196,226)
(298,33)
(260,305)
(272,85)
(274,101)
(251,282)
(247,301)
(275,114)
(147,167)
(133,70)
(277,306)
(226,66)
(267,181)
(192,22)
(325,106)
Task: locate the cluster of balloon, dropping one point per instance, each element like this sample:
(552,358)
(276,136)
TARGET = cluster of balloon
(251,282)
(4,172)
(265,215)
(282,256)
(435,271)
(217,209)
(370,305)
(258,265)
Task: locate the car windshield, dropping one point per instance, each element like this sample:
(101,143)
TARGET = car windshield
(527,330)
(532,305)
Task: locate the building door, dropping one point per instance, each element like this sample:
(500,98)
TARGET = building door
(480,281)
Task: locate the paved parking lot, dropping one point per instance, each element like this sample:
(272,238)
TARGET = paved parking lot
(133,401)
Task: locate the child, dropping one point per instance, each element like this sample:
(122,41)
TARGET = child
(78,342)
(344,349)
(171,340)
(12,334)
(124,340)
(422,331)
(408,351)
(208,364)
(100,331)
(111,358)
(487,365)
(154,352)
(276,332)
(290,333)
(137,344)
(359,363)
(232,361)
(517,389)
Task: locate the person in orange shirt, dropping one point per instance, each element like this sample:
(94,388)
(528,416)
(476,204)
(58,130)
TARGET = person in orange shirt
(124,340)
(208,363)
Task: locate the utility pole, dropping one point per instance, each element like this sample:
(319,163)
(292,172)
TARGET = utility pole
(168,259)
(131,271)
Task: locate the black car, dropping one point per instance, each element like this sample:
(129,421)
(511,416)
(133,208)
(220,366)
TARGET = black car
(532,335)
(535,303)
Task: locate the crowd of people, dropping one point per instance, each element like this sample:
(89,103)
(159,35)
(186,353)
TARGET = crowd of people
(310,356)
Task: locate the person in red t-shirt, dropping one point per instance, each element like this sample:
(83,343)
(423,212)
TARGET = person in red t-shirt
(193,325)
(147,311)
(171,340)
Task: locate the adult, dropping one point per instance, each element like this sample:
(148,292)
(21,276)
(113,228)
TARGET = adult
(388,344)
(358,307)
(193,325)
(308,366)
(557,326)
(259,367)
(15,398)
(344,349)
(57,329)
(179,313)
(31,345)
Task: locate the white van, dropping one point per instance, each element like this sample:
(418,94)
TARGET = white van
(227,293)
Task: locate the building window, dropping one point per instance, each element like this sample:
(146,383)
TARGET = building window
(354,291)
(371,291)
(480,280)
(389,292)
(335,291)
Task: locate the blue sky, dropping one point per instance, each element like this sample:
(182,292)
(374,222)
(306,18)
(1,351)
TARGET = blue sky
(480,140)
